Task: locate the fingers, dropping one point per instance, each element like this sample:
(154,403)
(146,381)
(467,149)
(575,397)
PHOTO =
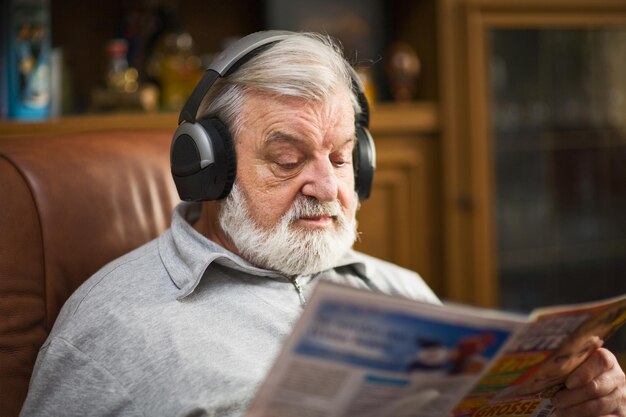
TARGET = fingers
(596,388)
(595,365)
(611,404)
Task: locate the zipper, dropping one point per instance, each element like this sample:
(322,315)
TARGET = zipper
(298,287)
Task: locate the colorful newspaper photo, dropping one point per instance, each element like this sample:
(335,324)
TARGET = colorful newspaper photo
(355,353)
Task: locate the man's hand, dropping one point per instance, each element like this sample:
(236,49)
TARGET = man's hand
(597,388)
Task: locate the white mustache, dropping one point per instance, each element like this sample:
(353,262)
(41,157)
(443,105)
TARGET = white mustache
(310,207)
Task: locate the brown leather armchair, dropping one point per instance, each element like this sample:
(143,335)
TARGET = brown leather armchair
(69,203)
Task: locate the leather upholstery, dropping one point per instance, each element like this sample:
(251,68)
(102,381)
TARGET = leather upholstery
(69,203)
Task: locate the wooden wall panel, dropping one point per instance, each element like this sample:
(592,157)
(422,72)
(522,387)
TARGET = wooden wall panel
(399,223)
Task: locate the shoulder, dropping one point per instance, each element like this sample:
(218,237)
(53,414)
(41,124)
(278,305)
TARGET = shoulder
(119,285)
(127,271)
(66,381)
(394,279)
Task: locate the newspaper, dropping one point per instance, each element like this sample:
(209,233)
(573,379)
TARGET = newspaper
(355,353)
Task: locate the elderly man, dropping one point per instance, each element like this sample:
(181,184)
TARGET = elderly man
(189,324)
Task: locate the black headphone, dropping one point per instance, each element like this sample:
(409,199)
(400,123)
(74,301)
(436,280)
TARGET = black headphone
(202,154)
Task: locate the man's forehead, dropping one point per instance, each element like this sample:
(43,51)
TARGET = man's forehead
(339,101)
(293,118)
(280,137)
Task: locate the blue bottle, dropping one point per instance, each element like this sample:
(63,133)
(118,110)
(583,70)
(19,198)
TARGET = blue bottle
(27,59)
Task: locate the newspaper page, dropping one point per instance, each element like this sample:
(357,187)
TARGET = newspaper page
(355,353)
(537,360)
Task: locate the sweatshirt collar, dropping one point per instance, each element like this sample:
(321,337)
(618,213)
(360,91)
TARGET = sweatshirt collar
(187,254)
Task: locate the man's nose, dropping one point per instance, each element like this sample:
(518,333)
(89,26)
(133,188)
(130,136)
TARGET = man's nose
(321,181)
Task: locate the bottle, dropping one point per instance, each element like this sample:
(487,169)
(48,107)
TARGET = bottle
(178,69)
(26,66)
(120,77)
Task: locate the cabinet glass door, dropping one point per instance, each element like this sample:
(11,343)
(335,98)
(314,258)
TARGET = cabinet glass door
(558,123)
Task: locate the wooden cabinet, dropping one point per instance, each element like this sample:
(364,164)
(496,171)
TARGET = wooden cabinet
(533,151)
(400,222)
(552,91)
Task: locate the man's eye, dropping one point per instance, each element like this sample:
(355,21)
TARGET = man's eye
(287,165)
(340,162)
(341,158)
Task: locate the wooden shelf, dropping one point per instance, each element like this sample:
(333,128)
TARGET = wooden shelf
(413,117)
(86,123)
(422,117)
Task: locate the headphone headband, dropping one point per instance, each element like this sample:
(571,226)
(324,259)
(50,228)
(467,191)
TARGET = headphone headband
(242,47)
(236,53)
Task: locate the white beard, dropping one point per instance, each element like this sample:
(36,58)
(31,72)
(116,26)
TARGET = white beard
(284,248)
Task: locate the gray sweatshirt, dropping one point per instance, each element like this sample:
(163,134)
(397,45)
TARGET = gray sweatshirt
(181,327)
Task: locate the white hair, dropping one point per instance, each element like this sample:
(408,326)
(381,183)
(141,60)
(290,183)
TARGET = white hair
(306,65)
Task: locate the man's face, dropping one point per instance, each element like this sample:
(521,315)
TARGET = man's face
(295,179)
(289,147)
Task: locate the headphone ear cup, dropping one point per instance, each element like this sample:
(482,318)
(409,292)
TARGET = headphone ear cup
(364,162)
(203,160)
(225,158)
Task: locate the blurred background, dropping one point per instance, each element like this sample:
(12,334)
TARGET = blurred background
(166,43)
(500,124)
